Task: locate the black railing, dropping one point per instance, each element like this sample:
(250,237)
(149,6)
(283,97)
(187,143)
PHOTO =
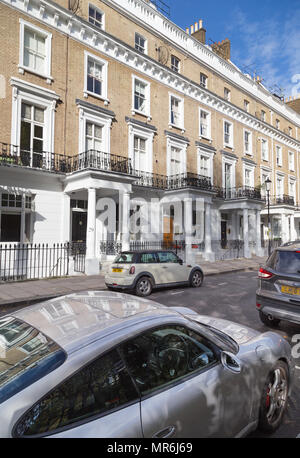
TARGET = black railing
(151,180)
(20,262)
(110,247)
(176,245)
(240,192)
(227,249)
(14,155)
(187,180)
(282,200)
(101,161)
(78,251)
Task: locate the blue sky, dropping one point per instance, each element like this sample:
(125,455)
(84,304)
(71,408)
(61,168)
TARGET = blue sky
(264,35)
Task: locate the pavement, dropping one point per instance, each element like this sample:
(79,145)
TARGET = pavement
(14,295)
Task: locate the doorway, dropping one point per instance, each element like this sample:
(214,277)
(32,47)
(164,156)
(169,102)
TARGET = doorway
(79,224)
(223,234)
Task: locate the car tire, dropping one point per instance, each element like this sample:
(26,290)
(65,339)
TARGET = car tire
(271,323)
(274,398)
(196,279)
(143,286)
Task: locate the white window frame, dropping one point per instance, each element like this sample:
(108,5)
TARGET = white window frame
(174,67)
(227,94)
(180,125)
(91,5)
(137,34)
(246,105)
(248,168)
(279,177)
(203,84)
(231,139)
(278,162)
(250,148)
(33,95)
(48,40)
(293,181)
(148,136)
(265,141)
(263,115)
(182,145)
(104,64)
(147,97)
(267,174)
(291,166)
(208,113)
(89,115)
(210,157)
(232,163)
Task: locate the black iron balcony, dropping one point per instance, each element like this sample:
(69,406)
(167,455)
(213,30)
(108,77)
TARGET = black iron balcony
(101,161)
(53,162)
(190,180)
(15,155)
(151,180)
(282,200)
(240,192)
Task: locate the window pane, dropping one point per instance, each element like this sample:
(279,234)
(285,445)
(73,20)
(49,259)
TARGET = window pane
(38,114)
(148,258)
(98,388)
(26,111)
(89,128)
(98,131)
(25,135)
(160,356)
(37,145)
(167,257)
(38,132)
(10,228)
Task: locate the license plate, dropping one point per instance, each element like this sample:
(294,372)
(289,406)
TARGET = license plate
(290,290)
(115,269)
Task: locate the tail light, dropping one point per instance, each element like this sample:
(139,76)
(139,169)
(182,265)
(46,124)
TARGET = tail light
(265,274)
(132,270)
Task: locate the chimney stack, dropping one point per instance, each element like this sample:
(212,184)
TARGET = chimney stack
(198,31)
(294,103)
(222,48)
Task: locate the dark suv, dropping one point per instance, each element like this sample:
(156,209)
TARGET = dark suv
(278,293)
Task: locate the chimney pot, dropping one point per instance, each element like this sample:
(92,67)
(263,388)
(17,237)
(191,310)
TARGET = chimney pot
(196,26)
(200,23)
(192,29)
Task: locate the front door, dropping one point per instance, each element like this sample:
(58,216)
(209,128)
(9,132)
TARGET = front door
(224,234)
(79,223)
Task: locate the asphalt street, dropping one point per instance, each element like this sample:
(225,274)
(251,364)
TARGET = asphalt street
(232,296)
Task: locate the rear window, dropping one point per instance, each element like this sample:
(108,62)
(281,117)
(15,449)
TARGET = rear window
(285,261)
(26,355)
(125,258)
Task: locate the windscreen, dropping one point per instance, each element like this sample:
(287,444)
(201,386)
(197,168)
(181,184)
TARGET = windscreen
(26,355)
(285,261)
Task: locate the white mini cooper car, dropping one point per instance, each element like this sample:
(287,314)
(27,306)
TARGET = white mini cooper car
(141,271)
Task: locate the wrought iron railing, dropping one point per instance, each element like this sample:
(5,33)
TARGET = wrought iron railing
(240,192)
(14,155)
(101,161)
(282,200)
(29,261)
(152,180)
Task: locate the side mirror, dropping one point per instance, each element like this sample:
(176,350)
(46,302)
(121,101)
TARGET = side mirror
(230,362)
(180,261)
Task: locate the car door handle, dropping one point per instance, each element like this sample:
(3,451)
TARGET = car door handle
(164,267)
(166,432)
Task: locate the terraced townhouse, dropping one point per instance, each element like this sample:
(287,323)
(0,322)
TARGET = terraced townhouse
(111,100)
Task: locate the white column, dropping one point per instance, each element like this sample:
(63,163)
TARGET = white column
(22,229)
(258,233)
(284,228)
(246,233)
(293,229)
(188,221)
(208,228)
(124,201)
(91,224)
(92,263)
(66,219)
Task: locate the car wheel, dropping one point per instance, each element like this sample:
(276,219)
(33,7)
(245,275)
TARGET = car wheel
(270,322)
(143,287)
(274,398)
(196,279)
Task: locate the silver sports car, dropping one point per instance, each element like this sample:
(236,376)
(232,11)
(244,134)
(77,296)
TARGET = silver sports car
(105,364)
